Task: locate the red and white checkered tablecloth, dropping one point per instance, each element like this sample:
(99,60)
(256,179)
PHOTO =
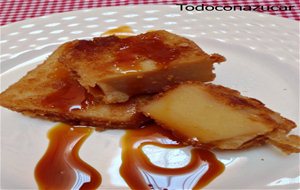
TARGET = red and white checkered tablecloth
(16,10)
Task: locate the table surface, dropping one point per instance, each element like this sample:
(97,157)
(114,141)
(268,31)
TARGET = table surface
(17,10)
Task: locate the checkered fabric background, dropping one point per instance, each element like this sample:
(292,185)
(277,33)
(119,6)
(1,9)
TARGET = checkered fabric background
(16,10)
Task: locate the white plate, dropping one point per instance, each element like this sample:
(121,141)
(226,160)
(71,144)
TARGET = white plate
(262,62)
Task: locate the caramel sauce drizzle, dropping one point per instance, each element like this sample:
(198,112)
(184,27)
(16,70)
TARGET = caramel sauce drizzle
(69,95)
(61,166)
(149,46)
(139,173)
(129,51)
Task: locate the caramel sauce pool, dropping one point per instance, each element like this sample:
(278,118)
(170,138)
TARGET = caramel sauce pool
(61,166)
(139,173)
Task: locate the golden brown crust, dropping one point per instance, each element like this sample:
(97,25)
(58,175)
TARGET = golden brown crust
(76,119)
(135,122)
(234,99)
(286,143)
(106,49)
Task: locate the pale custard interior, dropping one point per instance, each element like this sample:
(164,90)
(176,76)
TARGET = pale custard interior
(194,113)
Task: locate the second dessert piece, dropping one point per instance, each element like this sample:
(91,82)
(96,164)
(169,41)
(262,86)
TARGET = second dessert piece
(113,68)
(216,116)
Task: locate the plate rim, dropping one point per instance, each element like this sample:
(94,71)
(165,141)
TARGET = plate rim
(83,10)
(34,19)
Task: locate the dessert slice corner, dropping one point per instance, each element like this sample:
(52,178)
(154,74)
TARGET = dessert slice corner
(219,117)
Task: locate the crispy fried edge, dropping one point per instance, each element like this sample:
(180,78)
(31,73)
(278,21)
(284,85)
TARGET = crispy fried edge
(136,122)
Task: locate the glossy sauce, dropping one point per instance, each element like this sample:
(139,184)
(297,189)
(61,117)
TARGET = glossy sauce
(128,51)
(148,45)
(139,173)
(69,94)
(121,32)
(61,166)
(133,50)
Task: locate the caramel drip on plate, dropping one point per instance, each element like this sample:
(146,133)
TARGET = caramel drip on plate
(121,32)
(61,166)
(139,173)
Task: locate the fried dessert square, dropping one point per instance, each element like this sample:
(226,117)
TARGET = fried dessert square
(114,69)
(50,91)
(216,116)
